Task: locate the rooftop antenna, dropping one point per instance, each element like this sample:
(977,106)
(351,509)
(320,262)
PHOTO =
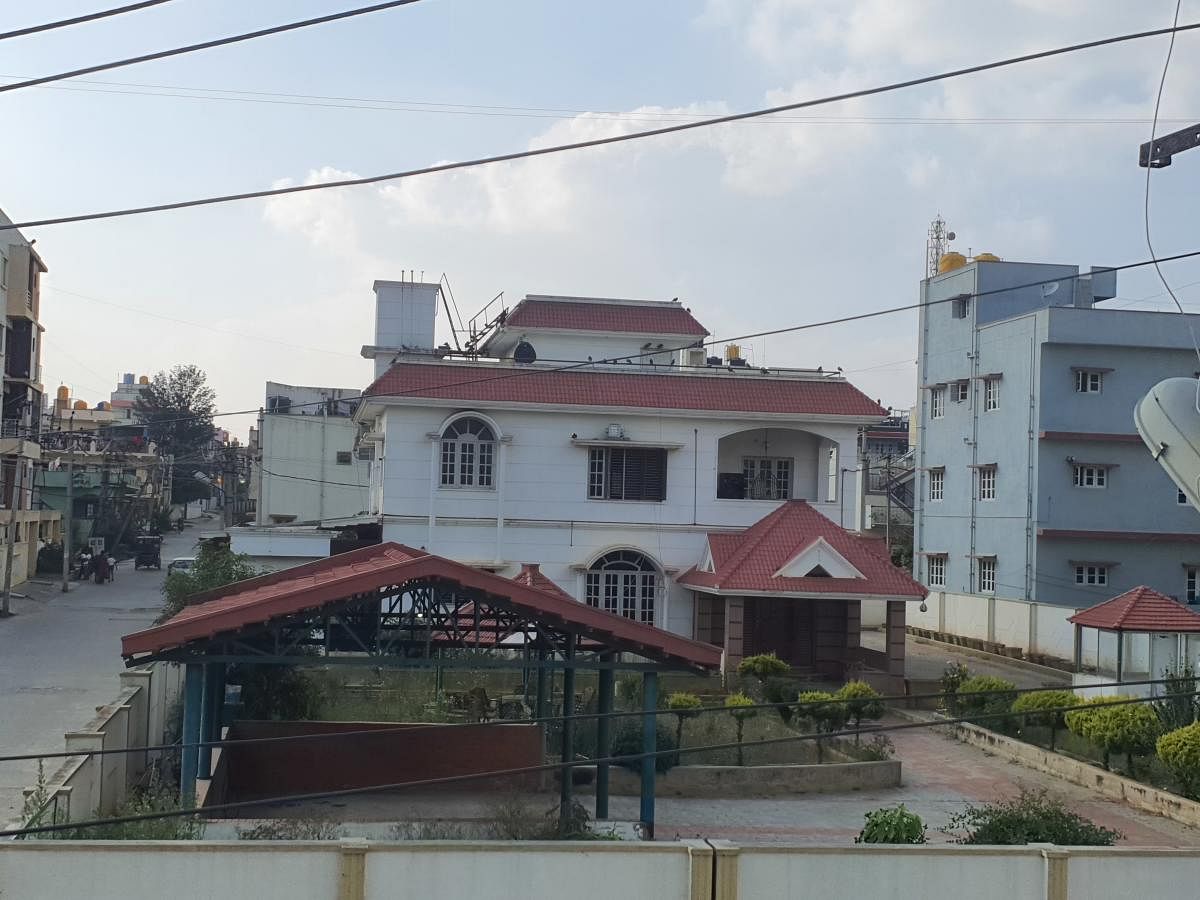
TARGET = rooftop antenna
(936,245)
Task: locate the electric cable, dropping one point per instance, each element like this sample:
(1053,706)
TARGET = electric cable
(205,45)
(79,20)
(561,766)
(557,148)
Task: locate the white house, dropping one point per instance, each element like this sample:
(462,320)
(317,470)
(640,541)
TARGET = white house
(602,443)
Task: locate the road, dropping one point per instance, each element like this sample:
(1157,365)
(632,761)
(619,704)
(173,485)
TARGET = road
(60,655)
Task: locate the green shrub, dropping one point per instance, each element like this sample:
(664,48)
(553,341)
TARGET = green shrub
(892,825)
(952,679)
(781,692)
(1037,708)
(825,712)
(986,695)
(303,829)
(741,708)
(629,690)
(1129,728)
(1180,704)
(627,741)
(1030,818)
(685,706)
(1179,751)
(862,702)
(763,666)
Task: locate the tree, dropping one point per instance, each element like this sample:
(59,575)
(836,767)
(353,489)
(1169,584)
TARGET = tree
(825,711)
(177,409)
(741,708)
(1044,709)
(862,702)
(685,706)
(216,566)
(763,666)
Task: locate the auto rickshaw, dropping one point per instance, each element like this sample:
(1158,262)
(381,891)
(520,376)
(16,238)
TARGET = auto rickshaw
(147,551)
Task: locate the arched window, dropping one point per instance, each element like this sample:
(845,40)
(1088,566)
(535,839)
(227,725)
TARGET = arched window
(468,454)
(623,582)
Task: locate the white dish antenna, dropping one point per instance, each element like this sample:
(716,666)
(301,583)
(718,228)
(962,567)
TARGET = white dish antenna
(1050,289)
(1168,419)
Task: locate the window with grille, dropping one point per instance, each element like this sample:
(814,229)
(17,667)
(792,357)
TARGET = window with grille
(624,582)
(1191,585)
(1088,381)
(468,454)
(1090,476)
(987,576)
(959,391)
(627,473)
(987,483)
(962,307)
(937,403)
(991,394)
(767,478)
(1086,574)
(937,571)
(937,484)
(344,457)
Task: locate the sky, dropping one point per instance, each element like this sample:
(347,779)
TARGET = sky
(754,226)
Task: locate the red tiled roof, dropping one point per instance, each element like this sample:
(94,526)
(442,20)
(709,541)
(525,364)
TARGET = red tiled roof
(531,575)
(1141,609)
(771,543)
(330,581)
(662,318)
(726,392)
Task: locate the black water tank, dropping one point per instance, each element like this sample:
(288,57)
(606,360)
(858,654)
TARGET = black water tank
(524,354)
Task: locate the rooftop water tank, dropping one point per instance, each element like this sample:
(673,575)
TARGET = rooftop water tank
(79,404)
(127,378)
(102,405)
(951,261)
(986,257)
(62,395)
(145,379)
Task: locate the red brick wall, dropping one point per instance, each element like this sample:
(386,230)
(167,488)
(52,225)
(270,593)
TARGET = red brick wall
(417,751)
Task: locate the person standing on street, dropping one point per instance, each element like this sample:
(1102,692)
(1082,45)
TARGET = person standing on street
(101,567)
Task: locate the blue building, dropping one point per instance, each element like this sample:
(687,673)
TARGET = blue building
(1032,483)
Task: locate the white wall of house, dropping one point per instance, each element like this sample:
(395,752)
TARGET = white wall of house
(310,469)
(539,510)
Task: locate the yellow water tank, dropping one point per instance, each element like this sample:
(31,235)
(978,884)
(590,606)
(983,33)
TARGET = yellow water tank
(63,396)
(986,257)
(951,261)
(145,379)
(733,351)
(79,404)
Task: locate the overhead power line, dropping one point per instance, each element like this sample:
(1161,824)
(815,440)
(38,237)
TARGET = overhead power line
(205,45)
(79,20)
(576,145)
(393,105)
(598,364)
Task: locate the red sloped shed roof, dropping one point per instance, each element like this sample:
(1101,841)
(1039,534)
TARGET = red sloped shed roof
(1141,609)
(531,575)
(771,543)
(635,318)
(741,393)
(308,588)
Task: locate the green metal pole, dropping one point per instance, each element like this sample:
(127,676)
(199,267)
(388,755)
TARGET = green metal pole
(649,745)
(193,699)
(566,776)
(603,736)
(208,691)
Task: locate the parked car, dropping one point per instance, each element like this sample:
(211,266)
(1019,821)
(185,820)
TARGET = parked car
(181,564)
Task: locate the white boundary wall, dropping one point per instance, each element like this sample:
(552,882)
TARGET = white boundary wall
(685,870)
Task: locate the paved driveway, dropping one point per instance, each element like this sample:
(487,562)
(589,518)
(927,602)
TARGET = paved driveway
(60,656)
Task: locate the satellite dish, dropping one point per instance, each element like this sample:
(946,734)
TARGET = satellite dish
(1049,289)
(950,235)
(1168,419)
(525,354)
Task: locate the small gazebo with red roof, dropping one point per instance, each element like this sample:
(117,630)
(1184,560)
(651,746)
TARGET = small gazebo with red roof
(793,584)
(1139,611)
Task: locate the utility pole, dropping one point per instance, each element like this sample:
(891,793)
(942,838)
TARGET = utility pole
(69,518)
(887,492)
(12,537)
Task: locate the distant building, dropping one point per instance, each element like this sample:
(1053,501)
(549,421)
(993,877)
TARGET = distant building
(306,468)
(21,409)
(1032,482)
